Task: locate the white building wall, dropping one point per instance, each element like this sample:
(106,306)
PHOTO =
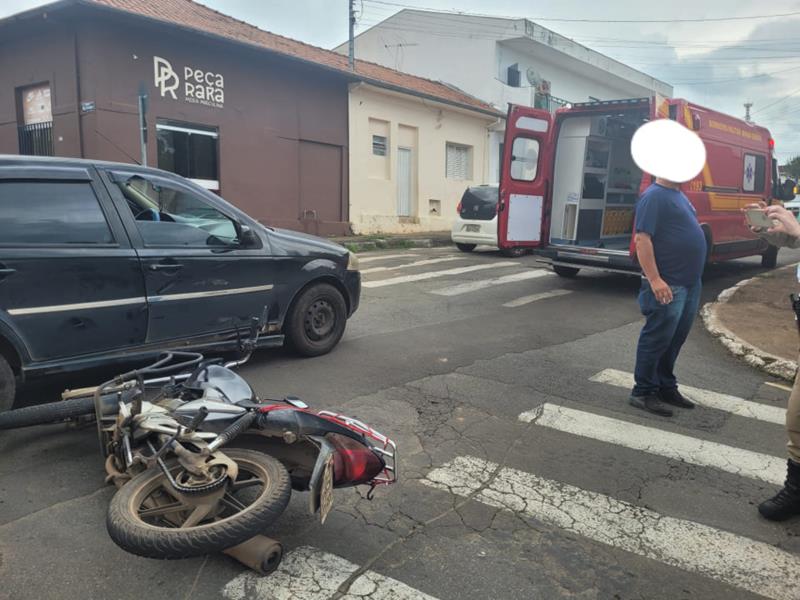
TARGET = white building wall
(473,54)
(568,85)
(425,127)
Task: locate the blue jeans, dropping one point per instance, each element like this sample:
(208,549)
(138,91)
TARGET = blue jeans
(662,336)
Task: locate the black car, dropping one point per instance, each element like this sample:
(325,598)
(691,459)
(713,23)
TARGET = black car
(107,263)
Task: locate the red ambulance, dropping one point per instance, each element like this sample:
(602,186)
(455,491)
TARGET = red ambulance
(568,184)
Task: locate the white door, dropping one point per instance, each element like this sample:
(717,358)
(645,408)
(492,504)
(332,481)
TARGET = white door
(404,182)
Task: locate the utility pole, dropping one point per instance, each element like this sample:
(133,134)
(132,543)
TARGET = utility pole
(143,124)
(747,107)
(352,43)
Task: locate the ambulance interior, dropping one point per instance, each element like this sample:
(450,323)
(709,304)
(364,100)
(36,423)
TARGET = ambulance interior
(595,181)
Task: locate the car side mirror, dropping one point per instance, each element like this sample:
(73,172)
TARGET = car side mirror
(248,238)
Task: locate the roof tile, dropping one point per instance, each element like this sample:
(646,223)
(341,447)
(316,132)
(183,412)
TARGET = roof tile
(192,15)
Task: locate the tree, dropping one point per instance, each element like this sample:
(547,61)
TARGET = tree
(792,168)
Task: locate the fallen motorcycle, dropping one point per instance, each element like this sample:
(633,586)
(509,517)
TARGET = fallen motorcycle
(203,465)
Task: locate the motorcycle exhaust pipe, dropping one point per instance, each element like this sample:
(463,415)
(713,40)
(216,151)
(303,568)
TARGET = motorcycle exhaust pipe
(260,553)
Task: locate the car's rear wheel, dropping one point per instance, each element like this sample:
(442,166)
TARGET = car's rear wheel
(514,252)
(466,247)
(316,320)
(8,385)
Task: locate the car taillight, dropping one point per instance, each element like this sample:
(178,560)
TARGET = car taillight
(458,208)
(353,462)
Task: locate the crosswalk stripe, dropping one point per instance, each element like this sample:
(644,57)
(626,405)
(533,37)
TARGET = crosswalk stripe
(780,386)
(707,398)
(535,298)
(473,286)
(659,442)
(418,263)
(307,573)
(724,556)
(435,274)
(366,259)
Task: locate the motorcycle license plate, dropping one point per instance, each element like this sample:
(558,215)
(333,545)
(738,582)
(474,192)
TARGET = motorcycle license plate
(326,491)
(473,228)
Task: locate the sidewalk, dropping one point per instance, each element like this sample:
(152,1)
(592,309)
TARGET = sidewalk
(380,241)
(754,320)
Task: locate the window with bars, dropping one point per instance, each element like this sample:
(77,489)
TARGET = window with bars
(35,120)
(458,162)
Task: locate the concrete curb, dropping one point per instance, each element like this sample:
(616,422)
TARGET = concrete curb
(755,357)
(389,242)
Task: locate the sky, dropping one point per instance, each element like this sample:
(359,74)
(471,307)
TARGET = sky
(717,63)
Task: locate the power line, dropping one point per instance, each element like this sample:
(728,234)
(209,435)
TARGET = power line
(566,20)
(778,101)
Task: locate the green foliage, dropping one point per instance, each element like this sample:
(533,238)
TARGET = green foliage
(792,168)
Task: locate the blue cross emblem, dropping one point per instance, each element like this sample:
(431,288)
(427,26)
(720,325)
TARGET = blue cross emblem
(748,172)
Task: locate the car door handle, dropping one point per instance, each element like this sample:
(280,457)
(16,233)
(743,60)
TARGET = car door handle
(6,272)
(166,267)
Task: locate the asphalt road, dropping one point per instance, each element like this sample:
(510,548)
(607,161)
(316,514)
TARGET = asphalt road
(524,472)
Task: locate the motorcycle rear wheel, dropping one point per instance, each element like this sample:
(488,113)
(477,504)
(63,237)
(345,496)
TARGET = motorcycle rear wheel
(146,516)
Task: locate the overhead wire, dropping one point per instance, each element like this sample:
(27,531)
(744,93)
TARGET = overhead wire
(584,20)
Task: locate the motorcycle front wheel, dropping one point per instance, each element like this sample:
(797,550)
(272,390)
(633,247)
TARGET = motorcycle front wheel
(149,518)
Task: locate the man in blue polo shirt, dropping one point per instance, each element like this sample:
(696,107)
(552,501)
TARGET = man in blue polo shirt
(671,250)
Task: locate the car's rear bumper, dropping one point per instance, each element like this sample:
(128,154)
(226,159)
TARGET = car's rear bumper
(469,231)
(584,258)
(352,282)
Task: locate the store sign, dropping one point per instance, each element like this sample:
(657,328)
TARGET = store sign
(198,86)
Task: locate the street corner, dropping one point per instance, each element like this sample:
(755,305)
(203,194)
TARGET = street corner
(754,321)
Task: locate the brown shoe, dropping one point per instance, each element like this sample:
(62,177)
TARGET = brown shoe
(650,403)
(675,398)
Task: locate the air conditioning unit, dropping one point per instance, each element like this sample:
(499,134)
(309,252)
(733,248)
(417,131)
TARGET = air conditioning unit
(599,126)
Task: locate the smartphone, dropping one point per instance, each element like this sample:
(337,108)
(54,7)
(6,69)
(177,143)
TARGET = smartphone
(757,219)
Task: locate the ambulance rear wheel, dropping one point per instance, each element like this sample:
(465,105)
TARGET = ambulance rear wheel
(466,247)
(565,271)
(769,260)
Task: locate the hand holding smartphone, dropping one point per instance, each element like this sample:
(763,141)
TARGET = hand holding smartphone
(758,220)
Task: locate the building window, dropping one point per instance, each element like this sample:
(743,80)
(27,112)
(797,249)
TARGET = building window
(35,120)
(380,145)
(458,162)
(190,151)
(51,213)
(524,159)
(754,176)
(378,164)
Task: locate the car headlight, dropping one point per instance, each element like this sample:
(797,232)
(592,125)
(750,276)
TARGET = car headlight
(352,262)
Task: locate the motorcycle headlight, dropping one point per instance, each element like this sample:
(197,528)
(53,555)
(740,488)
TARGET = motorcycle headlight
(352,262)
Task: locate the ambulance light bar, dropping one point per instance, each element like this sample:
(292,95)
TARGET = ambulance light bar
(610,102)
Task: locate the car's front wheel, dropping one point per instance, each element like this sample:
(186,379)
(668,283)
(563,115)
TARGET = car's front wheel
(316,320)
